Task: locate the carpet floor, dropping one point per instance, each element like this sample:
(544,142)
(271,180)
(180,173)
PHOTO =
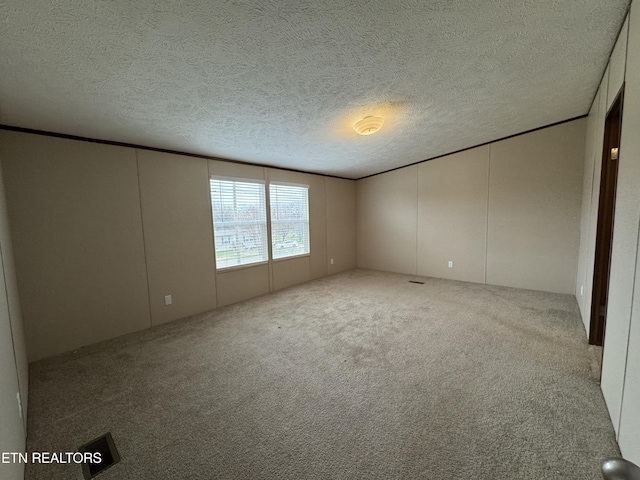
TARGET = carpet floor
(361,375)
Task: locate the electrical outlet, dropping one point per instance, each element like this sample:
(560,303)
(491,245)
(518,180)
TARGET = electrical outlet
(581,290)
(450,263)
(332,261)
(168,300)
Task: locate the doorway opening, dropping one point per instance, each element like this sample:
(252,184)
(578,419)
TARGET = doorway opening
(606,210)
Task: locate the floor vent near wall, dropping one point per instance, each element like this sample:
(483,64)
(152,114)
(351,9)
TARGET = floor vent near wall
(108,454)
(417,281)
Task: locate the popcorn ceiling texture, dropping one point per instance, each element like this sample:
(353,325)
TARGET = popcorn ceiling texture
(281,82)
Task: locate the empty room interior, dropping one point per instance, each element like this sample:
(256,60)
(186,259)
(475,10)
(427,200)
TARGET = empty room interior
(337,240)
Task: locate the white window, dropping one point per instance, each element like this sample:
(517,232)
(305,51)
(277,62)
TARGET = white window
(289,220)
(239,221)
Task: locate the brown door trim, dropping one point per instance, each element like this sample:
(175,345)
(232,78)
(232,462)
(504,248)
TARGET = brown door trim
(606,211)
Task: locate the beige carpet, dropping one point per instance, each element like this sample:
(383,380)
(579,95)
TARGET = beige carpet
(362,375)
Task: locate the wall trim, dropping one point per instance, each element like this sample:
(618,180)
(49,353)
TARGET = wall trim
(613,47)
(479,145)
(196,155)
(67,136)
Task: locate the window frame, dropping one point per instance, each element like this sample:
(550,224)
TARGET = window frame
(264,225)
(306,222)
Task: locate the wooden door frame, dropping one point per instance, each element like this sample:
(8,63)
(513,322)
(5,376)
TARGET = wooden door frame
(605,223)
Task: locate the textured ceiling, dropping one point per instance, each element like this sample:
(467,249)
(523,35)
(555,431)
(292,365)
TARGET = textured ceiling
(282,82)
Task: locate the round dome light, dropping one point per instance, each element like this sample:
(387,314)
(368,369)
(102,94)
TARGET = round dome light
(368,125)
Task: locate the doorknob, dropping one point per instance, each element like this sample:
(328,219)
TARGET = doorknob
(620,469)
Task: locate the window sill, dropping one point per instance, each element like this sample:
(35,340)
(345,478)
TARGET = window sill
(233,268)
(292,257)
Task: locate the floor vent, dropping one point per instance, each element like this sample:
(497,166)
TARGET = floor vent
(417,281)
(108,454)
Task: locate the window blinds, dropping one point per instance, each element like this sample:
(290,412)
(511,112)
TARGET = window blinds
(239,222)
(289,220)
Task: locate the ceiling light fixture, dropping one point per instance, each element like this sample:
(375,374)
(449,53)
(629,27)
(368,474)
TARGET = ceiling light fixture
(368,125)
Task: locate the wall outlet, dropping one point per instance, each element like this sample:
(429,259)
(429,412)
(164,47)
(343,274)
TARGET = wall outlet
(168,300)
(331,261)
(450,263)
(581,290)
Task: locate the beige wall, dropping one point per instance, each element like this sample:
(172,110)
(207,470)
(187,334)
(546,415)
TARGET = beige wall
(74,211)
(590,193)
(624,253)
(386,214)
(103,233)
(509,210)
(452,215)
(290,271)
(628,437)
(341,224)
(13,300)
(13,361)
(235,285)
(620,331)
(617,65)
(178,234)
(13,429)
(621,356)
(535,186)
